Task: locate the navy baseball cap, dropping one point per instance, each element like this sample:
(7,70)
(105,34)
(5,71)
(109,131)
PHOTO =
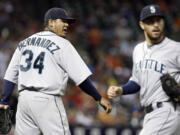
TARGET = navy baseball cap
(58,13)
(151,10)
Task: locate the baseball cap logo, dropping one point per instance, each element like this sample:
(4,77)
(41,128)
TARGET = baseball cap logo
(152,9)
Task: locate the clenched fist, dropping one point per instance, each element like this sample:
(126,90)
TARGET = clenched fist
(114,91)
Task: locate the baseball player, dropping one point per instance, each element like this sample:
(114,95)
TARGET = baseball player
(41,66)
(152,58)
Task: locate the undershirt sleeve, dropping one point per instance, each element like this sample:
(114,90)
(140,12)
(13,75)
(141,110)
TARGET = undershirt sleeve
(130,87)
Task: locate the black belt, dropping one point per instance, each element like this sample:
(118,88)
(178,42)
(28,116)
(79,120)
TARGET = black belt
(150,108)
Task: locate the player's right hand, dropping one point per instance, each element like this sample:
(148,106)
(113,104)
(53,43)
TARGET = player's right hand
(3,106)
(114,91)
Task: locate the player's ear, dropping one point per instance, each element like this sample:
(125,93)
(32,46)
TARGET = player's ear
(50,23)
(141,24)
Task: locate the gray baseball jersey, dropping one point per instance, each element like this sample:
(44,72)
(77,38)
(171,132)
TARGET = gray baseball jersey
(149,63)
(44,61)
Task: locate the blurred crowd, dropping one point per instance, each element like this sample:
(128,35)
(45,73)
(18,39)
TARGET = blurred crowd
(105,34)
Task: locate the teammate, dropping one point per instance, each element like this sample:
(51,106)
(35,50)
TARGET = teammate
(41,65)
(152,58)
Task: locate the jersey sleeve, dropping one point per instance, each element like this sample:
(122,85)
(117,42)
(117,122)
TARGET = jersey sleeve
(13,67)
(73,64)
(178,57)
(134,76)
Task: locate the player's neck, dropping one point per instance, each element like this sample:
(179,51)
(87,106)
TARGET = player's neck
(151,42)
(48,29)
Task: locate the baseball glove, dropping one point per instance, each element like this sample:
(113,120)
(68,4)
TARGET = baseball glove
(171,87)
(5,121)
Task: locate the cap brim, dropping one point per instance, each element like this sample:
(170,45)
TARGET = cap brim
(159,15)
(70,20)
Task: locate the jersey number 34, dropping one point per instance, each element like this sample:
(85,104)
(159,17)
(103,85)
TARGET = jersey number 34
(37,64)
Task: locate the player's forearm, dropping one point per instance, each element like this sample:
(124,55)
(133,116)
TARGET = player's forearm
(88,88)
(7,90)
(130,87)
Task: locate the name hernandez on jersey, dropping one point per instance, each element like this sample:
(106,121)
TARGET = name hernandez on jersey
(40,42)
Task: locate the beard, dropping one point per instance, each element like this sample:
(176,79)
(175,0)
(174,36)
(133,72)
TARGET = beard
(155,39)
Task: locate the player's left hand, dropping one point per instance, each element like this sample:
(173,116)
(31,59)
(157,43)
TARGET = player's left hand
(3,106)
(105,104)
